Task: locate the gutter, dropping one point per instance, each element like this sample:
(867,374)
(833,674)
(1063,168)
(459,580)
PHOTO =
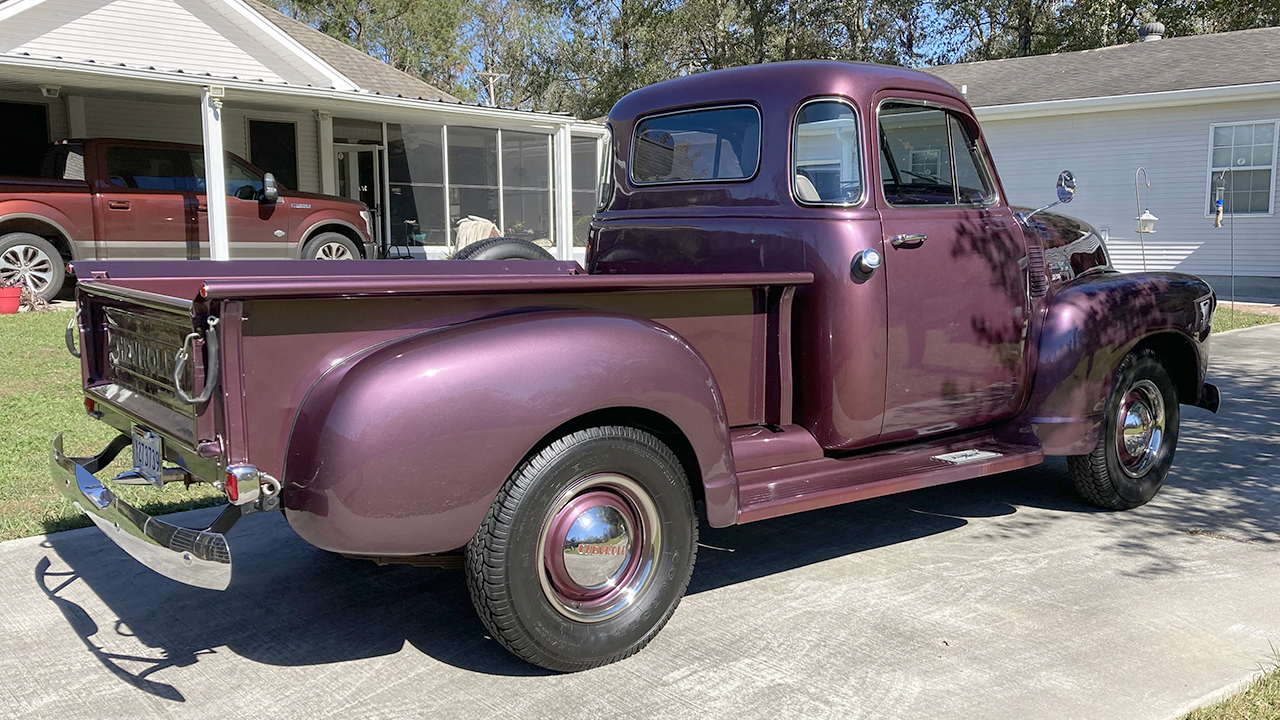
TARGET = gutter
(497,116)
(1167,98)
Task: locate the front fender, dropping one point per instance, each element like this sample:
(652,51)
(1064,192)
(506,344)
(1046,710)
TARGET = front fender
(1088,328)
(401,449)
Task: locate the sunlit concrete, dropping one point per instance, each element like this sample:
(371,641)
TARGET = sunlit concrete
(999,598)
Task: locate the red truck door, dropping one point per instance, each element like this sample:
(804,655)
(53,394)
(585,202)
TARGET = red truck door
(257,230)
(144,207)
(954,266)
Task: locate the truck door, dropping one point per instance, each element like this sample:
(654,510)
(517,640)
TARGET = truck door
(144,208)
(955,260)
(257,230)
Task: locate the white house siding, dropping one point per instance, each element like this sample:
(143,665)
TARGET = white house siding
(1105,149)
(180,123)
(195,37)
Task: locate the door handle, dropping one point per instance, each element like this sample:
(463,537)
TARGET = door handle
(118,204)
(908,240)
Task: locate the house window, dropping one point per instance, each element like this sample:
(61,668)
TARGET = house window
(273,147)
(1242,163)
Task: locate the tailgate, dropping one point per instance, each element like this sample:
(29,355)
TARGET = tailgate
(133,359)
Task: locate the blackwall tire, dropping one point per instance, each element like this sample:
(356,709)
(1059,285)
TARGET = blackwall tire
(1139,436)
(586,551)
(330,246)
(34,261)
(502,248)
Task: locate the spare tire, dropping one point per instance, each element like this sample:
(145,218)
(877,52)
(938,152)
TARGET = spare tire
(502,248)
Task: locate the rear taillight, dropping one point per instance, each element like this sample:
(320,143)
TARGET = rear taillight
(232,487)
(89,405)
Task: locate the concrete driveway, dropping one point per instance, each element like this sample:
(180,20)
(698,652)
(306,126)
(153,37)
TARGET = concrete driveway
(1001,597)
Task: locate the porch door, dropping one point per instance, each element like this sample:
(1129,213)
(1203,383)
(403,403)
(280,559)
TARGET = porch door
(360,178)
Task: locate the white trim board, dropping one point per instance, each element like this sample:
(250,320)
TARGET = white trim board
(1195,96)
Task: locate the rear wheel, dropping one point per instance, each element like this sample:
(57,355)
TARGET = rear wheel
(330,246)
(33,262)
(586,551)
(1135,450)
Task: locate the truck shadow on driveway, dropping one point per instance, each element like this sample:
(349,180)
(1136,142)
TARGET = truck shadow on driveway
(293,605)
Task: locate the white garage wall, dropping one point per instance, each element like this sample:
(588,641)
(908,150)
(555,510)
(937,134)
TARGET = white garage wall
(1104,149)
(180,123)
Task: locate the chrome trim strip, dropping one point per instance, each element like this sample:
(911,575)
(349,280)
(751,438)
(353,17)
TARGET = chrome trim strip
(195,557)
(141,297)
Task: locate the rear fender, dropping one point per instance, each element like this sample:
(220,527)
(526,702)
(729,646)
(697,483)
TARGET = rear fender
(1088,328)
(401,449)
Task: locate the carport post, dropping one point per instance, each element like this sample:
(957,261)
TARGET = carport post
(215,176)
(562,167)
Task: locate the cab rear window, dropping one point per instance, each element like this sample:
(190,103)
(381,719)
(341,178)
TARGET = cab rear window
(697,146)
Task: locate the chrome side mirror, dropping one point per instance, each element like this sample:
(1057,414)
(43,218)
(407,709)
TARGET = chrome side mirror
(1066,191)
(1066,186)
(270,191)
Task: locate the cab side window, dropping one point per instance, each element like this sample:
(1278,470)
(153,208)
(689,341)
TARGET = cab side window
(146,168)
(242,182)
(827,162)
(928,157)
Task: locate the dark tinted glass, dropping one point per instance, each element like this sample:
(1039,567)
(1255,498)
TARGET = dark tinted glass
(697,146)
(273,146)
(147,168)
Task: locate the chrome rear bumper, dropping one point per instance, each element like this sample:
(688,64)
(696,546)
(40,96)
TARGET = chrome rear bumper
(194,557)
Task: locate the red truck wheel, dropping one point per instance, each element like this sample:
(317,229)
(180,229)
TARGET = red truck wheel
(1135,450)
(330,246)
(586,551)
(33,262)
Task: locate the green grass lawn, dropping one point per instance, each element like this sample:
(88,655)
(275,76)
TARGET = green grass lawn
(1222,319)
(1260,701)
(40,396)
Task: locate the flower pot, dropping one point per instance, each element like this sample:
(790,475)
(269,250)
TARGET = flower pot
(10,298)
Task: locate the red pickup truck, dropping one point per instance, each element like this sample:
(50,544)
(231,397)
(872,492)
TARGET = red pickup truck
(803,287)
(128,199)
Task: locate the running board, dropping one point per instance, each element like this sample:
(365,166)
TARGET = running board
(771,492)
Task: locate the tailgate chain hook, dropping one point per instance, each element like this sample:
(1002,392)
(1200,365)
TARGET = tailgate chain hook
(72,329)
(211,370)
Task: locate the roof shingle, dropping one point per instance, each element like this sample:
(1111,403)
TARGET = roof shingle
(1197,61)
(367,72)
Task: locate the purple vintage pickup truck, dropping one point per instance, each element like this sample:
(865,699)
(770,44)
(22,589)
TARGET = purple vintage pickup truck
(803,287)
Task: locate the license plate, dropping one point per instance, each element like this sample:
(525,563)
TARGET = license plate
(148,456)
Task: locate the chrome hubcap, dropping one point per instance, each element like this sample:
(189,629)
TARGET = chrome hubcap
(333,251)
(26,264)
(597,547)
(1140,428)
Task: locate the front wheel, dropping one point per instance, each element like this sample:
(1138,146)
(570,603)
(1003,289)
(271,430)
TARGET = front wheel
(586,551)
(1135,450)
(330,246)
